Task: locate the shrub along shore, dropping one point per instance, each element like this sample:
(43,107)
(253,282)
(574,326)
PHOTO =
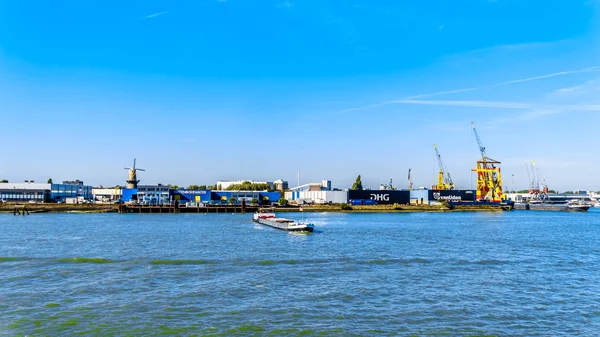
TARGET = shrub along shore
(108,208)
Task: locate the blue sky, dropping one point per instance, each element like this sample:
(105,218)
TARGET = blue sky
(204,90)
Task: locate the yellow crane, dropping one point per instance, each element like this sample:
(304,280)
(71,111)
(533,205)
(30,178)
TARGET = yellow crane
(444,179)
(489,179)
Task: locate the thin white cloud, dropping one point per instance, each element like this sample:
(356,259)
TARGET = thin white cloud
(441,93)
(151,16)
(472,104)
(589,88)
(506,105)
(562,73)
(197,5)
(447,92)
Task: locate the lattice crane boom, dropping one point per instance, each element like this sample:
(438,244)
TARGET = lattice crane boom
(479,142)
(489,179)
(444,178)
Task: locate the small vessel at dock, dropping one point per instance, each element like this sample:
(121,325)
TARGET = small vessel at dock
(570,206)
(267,217)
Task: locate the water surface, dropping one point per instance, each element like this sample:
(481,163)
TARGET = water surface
(425,274)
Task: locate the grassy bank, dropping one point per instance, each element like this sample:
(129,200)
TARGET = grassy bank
(57,208)
(390,209)
(103,208)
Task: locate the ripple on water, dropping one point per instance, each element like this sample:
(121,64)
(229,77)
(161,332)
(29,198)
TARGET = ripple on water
(364,274)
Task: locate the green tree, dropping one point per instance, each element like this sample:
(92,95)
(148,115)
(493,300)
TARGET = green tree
(357,186)
(49,180)
(345,207)
(211,187)
(232,200)
(523,191)
(193,187)
(248,186)
(3,181)
(254,201)
(283,202)
(568,192)
(174,187)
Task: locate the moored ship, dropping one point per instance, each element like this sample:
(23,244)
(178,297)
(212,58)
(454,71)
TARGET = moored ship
(570,206)
(267,217)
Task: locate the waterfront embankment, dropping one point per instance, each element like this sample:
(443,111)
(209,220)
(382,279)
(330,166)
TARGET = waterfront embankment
(390,208)
(57,208)
(107,208)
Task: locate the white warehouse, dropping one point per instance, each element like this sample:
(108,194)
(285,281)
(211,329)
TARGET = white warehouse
(317,197)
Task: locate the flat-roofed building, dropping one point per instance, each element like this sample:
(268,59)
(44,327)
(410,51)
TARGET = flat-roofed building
(24,192)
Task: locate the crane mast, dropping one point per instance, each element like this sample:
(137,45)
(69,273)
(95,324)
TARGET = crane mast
(444,179)
(479,142)
(489,179)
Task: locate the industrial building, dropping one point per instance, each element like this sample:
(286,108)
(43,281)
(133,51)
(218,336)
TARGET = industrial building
(419,197)
(153,194)
(317,197)
(371,197)
(316,193)
(224,197)
(24,192)
(109,194)
(280,185)
(31,191)
(324,185)
(71,189)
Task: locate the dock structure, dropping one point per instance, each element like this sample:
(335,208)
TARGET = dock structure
(23,211)
(124,208)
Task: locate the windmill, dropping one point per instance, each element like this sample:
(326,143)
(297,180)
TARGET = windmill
(133,182)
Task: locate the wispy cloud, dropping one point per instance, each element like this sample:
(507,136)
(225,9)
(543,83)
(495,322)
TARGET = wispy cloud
(591,88)
(151,16)
(455,91)
(195,6)
(441,93)
(562,73)
(506,105)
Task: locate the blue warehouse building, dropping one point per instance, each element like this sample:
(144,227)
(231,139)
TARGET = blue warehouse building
(224,197)
(60,192)
(31,191)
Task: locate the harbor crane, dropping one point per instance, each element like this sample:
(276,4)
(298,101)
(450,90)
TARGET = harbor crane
(444,179)
(489,179)
(410,182)
(534,180)
(132,182)
(535,188)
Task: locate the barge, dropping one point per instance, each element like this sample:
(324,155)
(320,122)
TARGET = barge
(570,206)
(268,218)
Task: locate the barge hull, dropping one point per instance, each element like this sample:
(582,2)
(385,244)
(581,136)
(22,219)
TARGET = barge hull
(283,226)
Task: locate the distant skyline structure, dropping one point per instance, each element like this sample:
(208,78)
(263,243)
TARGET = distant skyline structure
(225,90)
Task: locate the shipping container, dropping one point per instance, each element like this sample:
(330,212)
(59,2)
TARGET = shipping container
(381,197)
(452,195)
